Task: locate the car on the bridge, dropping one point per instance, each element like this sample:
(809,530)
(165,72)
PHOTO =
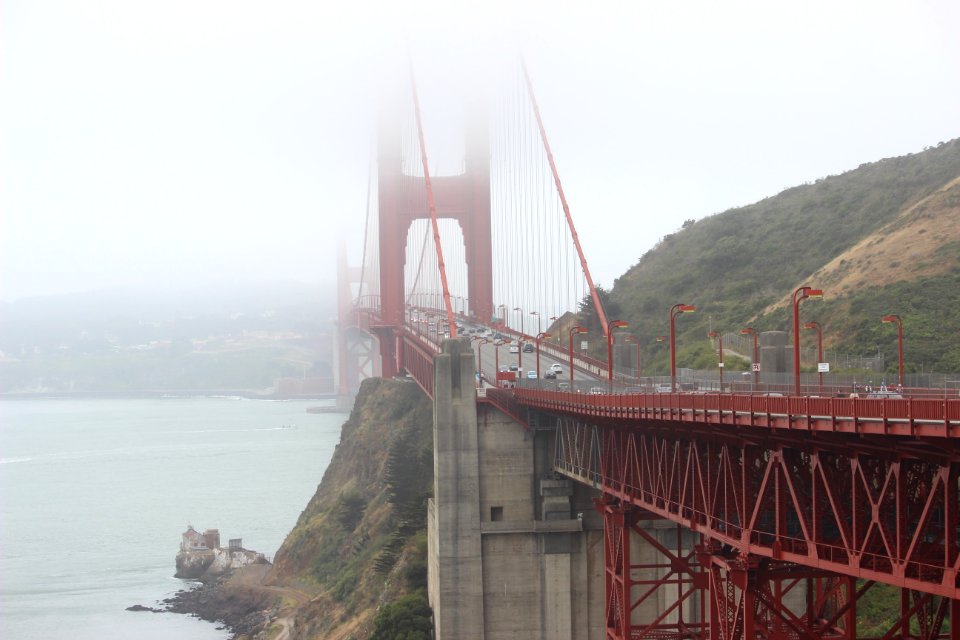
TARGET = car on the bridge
(532,375)
(550,375)
(514,349)
(528,348)
(556,367)
(514,366)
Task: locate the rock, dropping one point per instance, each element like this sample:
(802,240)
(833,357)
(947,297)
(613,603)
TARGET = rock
(234,604)
(140,607)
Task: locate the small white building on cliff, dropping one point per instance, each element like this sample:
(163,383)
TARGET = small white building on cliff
(193,540)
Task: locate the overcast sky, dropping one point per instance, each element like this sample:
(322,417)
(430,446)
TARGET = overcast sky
(148,142)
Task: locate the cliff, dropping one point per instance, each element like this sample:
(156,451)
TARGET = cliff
(203,565)
(359,547)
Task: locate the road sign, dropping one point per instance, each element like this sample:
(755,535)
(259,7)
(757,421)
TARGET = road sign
(823,367)
(720,364)
(756,366)
(583,345)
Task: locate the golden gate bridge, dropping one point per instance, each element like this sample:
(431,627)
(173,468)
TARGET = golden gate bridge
(799,502)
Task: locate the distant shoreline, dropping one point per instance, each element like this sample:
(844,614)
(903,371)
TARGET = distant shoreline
(178,394)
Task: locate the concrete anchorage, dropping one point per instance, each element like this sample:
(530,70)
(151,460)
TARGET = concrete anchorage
(515,551)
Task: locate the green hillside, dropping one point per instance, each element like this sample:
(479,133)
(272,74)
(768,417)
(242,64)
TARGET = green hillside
(883,238)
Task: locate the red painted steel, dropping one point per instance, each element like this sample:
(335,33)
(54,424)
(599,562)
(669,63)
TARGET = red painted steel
(563,201)
(464,198)
(432,205)
(672,584)
(913,417)
(879,509)
(417,359)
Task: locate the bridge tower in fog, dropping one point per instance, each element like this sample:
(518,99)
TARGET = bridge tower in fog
(464,198)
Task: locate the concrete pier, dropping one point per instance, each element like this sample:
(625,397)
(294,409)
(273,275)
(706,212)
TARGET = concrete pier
(514,550)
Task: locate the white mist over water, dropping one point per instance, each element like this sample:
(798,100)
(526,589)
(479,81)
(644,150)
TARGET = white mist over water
(94,495)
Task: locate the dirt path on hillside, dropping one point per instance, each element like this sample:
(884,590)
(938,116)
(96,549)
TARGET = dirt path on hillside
(250,579)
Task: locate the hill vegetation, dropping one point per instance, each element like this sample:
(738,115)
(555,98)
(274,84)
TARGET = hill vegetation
(883,238)
(359,548)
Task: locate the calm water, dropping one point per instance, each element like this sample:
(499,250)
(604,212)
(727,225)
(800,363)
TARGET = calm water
(94,495)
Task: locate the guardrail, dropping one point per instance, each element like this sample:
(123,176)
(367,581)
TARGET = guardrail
(916,417)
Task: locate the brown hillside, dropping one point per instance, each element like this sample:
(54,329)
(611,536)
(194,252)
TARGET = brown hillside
(904,249)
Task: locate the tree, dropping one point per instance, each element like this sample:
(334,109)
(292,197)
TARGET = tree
(409,618)
(588,312)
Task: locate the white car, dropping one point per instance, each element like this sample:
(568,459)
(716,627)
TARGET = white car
(532,374)
(556,368)
(514,349)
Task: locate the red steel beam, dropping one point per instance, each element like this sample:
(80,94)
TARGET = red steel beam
(912,417)
(880,514)
(563,202)
(433,208)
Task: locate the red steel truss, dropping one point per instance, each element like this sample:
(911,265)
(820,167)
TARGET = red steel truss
(673,584)
(777,510)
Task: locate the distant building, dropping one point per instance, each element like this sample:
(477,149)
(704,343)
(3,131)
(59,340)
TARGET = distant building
(235,544)
(212,538)
(193,540)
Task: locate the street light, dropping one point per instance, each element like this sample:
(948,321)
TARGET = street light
(536,313)
(520,341)
(480,343)
(496,360)
(719,337)
(616,324)
(750,331)
(573,331)
(816,325)
(540,336)
(802,293)
(676,310)
(503,316)
(899,321)
(635,339)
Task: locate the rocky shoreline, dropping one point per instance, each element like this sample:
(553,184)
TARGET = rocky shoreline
(234,600)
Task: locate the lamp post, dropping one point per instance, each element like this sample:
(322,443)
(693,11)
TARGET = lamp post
(573,331)
(676,310)
(503,315)
(520,341)
(496,358)
(636,340)
(719,337)
(756,353)
(480,343)
(895,318)
(816,325)
(802,293)
(616,324)
(537,313)
(540,336)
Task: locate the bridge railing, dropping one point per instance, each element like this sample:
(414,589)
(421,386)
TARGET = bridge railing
(938,417)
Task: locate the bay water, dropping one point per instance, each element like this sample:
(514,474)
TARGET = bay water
(94,495)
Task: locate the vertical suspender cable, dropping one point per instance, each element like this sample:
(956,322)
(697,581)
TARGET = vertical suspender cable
(563,201)
(433,208)
(366,229)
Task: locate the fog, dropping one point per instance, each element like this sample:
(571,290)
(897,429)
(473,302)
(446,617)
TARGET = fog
(185,142)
